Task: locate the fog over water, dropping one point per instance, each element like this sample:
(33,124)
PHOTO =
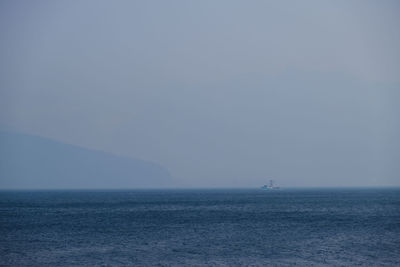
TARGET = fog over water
(220,93)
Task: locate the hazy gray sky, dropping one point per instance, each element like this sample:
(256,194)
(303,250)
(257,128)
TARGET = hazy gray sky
(222,93)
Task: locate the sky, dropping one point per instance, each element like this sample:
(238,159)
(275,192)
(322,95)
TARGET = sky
(221,93)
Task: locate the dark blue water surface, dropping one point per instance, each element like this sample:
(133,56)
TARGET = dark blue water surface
(309,227)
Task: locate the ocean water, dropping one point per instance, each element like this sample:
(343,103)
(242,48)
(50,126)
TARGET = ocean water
(308,227)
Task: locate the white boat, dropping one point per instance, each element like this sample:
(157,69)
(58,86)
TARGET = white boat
(271,186)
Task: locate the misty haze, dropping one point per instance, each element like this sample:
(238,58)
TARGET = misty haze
(146,132)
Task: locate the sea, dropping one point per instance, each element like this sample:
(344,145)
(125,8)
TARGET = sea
(201,227)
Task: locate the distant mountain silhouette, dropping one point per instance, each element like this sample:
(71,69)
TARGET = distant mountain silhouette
(33,162)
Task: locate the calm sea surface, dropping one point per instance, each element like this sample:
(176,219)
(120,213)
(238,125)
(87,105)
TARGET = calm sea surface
(308,227)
